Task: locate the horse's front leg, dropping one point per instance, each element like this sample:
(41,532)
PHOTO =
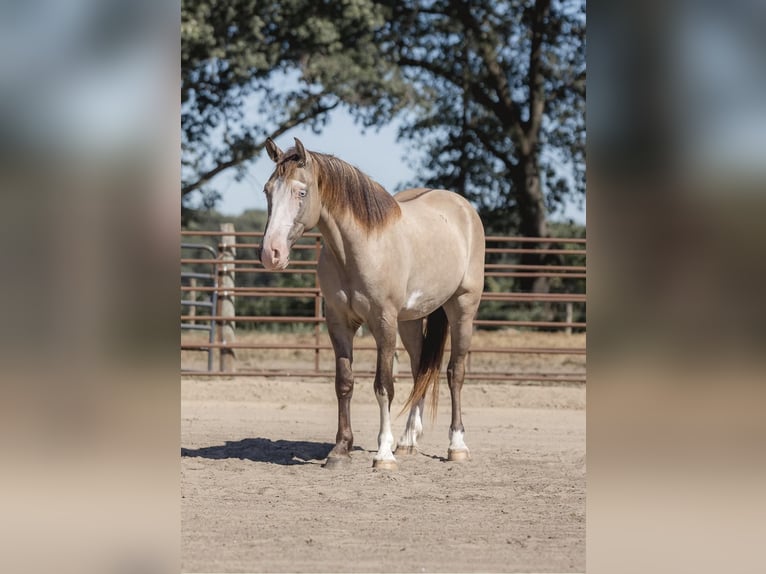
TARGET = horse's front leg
(384,331)
(342,337)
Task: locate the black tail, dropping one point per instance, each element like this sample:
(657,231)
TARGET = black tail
(434,338)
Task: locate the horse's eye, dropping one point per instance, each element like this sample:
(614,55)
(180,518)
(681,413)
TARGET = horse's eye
(301,193)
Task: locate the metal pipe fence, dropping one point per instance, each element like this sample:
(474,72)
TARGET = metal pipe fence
(191,301)
(297,287)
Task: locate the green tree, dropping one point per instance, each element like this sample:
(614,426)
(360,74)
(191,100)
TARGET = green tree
(502,117)
(494,91)
(255,68)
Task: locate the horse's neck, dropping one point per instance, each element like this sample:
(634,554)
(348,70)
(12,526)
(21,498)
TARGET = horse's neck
(341,236)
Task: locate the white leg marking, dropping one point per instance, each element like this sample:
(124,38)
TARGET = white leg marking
(386,437)
(414,427)
(456,440)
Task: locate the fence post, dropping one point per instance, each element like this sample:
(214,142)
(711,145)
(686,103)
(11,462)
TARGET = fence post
(570,315)
(192,297)
(317,304)
(226,332)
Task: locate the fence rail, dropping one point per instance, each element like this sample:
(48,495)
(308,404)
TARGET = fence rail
(237,274)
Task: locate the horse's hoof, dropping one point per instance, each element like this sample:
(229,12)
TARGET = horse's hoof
(405,450)
(385,464)
(458,455)
(337,462)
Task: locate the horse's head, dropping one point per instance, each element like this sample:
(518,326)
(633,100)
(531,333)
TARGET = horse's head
(293,201)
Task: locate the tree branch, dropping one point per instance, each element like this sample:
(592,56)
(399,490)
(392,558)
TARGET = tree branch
(242,157)
(495,151)
(487,40)
(536,79)
(497,108)
(443,73)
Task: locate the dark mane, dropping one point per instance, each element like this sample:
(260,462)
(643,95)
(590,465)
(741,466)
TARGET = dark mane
(345,189)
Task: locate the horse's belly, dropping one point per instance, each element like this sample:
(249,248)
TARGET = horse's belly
(409,315)
(419,303)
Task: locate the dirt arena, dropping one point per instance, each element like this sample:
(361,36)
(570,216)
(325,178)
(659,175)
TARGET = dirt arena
(256,498)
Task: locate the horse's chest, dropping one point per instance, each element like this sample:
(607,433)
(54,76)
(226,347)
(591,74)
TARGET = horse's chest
(354,301)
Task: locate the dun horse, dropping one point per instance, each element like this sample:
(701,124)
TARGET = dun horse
(413,261)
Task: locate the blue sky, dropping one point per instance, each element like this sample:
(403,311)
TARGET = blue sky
(377,153)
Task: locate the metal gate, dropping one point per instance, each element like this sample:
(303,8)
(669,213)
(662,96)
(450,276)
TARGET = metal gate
(206,297)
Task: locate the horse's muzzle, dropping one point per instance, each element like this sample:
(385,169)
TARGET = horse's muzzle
(275,258)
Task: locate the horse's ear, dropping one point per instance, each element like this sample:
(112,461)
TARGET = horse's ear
(301,151)
(273,150)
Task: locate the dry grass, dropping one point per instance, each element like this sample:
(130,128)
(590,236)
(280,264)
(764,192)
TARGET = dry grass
(508,361)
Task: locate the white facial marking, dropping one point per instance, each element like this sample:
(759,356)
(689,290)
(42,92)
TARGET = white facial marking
(412,299)
(385,438)
(283,209)
(297,185)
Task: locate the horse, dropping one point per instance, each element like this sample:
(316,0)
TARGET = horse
(412,261)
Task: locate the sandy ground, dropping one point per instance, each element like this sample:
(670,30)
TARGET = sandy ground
(256,498)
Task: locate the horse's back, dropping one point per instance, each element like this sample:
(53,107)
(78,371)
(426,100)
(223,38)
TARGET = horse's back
(413,193)
(445,208)
(447,228)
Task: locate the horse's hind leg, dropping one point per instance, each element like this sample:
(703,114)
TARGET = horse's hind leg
(460,312)
(411,333)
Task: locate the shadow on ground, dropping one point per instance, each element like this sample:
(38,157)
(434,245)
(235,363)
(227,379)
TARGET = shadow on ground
(284,452)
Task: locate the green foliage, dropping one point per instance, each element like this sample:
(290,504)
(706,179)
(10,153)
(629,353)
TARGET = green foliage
(255,68)
(502,116)
(493,93)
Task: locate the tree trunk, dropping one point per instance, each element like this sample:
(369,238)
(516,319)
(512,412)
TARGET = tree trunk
(532,218)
